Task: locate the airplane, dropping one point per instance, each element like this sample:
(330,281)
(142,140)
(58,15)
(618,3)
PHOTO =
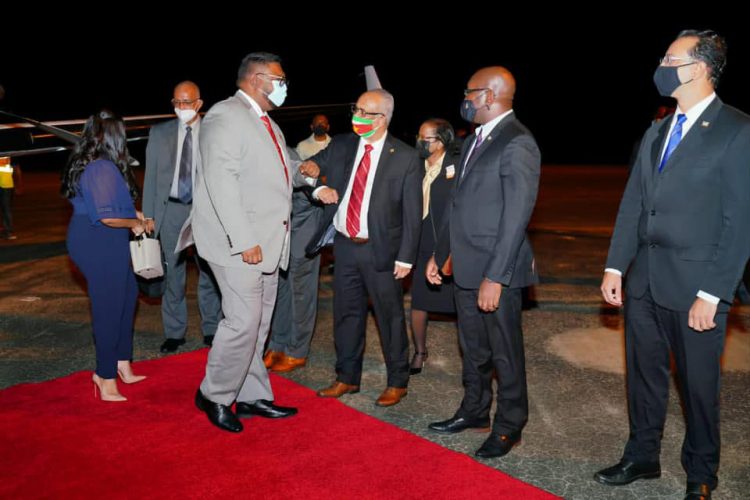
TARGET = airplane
(27,136)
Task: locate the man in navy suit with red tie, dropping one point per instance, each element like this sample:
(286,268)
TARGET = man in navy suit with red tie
(378,185)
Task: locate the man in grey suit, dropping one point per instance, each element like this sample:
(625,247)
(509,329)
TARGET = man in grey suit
(297,299)
(171,158)
(240,223)
(484,233)
(681,240)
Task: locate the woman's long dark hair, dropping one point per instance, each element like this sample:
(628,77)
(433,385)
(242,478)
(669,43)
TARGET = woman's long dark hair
(103,137)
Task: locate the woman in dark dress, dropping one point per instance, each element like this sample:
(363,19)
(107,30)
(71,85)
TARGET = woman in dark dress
(100,185)
(435,145)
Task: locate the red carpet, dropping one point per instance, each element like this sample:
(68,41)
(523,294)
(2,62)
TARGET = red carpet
(57,441)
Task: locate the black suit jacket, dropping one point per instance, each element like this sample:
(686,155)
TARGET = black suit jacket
(687,228)
(395,212)
(485,226)
(441,191)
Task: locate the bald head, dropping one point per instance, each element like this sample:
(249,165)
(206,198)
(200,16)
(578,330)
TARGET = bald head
(492,90)
(187,96)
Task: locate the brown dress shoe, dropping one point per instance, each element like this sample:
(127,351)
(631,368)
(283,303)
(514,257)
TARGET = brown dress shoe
(271,358)
(287,364)
(338,389)
(391,396)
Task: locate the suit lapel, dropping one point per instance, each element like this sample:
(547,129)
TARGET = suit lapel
(389,148)
(486,143)
(692,141)
(166,174)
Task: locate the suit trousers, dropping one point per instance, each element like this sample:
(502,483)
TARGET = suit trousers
(296,307)
(235,369)
(174,313)
(651,332)
(354,280)
(493,342)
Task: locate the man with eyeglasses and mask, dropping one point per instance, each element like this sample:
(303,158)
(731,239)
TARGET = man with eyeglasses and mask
(374,183)
(171,159)
(484,235)
(240,222)
(681,240)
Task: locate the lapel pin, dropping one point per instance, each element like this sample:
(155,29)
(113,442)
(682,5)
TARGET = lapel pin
(705,124)
(392,150)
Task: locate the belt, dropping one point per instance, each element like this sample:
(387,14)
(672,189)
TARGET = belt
(359,241)
(177,200)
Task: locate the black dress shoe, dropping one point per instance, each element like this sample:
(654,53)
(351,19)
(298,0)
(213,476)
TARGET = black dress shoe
(171,345)
(208,340)
(458,424)
(219,415)
(264,408)
(498,445)
(698,491)
(626,472)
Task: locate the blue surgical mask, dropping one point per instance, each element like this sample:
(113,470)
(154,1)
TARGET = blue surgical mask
(278,94)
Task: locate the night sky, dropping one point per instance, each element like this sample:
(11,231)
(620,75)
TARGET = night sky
(584,88)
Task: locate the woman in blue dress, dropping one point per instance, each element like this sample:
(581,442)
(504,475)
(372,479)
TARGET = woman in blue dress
(100,185)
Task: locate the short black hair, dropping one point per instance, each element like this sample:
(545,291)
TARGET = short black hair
(444,131)
(252,59)
(711,48)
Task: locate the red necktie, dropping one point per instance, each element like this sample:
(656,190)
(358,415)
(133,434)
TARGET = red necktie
(358,193)
(267,122)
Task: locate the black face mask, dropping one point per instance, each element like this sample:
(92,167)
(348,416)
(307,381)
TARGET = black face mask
(667,80)
(468,111)
(423,148)
(320,130)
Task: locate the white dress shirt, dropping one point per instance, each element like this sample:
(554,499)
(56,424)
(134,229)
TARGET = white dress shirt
(691,116)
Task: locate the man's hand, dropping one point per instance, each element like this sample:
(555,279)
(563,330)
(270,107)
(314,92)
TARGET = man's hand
(150,225)
(612,289)
(701,315)
(400,272)
(328,195)
(489,295)
(253,255)
(309,169)
(432,273)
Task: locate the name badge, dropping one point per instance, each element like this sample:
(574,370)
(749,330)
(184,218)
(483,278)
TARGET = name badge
(450,171)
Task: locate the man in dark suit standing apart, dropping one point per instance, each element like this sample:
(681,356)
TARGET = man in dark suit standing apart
(484,234)
(682,239)
(377,224)
(297,299)
(171,157)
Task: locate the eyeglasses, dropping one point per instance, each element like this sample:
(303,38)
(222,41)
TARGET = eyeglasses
(178,103)
(471,91)
(281,79)
(669,60)
(428,138)
(359,111)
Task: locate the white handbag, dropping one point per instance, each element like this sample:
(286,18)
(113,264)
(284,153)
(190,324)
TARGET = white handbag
(146,256)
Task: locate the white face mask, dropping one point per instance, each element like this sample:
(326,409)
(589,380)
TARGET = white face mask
(185,115)
(278,94)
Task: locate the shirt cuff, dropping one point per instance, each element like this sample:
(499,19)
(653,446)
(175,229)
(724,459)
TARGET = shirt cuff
(708,297)
(403,264)
(613,271)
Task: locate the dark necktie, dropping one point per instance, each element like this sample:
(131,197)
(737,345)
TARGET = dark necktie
(477,143)
(674,140)
(267,122)
(354,210)
(185,177)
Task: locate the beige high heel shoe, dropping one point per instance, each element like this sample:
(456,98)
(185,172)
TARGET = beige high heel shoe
(107,391)
(125,372)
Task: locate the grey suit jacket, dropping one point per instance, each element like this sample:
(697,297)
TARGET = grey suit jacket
(687,228)
(484,226)
(161,155)
(241,197)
